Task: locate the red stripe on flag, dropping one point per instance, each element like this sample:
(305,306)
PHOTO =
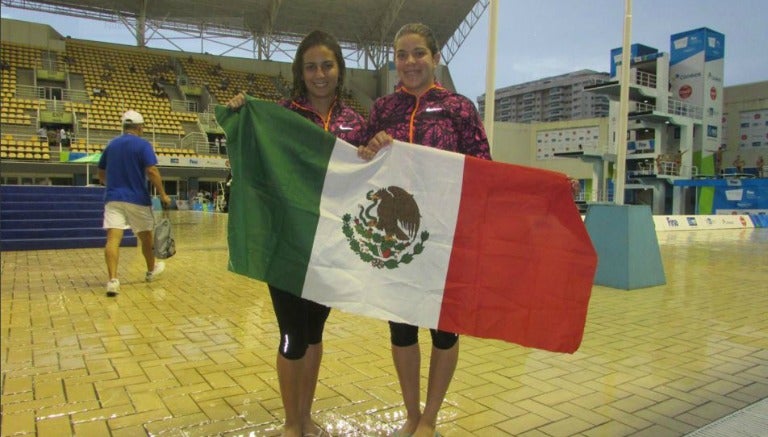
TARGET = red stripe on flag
(522,263)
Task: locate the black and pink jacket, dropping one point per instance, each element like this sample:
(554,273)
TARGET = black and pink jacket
(439,118)
(342,121)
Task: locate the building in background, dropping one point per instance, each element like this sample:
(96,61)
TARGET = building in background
(684,132)
(675,110)
(553,98)
(683,124)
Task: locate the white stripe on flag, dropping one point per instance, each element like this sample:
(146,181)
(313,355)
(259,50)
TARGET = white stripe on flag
(413,291)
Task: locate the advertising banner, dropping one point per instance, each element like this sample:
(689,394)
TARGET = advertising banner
(577,139)
(753,128)
(701,222)
(177,161)
(696,78)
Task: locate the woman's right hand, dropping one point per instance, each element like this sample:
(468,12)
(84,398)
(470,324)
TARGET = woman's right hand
(236,102)
(379,141)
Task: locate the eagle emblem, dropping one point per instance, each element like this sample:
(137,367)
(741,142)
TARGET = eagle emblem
(385,231)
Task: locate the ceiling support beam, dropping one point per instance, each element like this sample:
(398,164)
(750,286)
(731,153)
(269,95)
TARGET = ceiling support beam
(252,30)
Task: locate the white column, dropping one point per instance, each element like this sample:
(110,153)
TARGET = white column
(490,73)
(621,130)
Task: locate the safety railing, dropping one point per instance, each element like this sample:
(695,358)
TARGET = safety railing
(677,107)
(643,78)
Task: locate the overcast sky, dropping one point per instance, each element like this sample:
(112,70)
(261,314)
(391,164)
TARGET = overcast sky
(537,39)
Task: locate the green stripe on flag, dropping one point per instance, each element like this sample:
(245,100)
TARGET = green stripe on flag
(278,173)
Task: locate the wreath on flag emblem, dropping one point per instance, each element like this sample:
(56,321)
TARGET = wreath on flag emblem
(385,233)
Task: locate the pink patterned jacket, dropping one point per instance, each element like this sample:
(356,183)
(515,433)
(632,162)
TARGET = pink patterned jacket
(439,118)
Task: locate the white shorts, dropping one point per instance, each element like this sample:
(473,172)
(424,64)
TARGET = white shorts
(124,215)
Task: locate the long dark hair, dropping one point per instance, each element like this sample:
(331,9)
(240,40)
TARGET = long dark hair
(313,39)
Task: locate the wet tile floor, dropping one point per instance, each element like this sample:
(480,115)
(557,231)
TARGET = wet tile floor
(193,353)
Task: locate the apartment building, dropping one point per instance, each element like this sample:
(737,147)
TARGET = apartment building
(553,98)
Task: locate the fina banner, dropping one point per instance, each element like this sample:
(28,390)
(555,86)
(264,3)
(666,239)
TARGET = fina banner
(701,222)
(177,161)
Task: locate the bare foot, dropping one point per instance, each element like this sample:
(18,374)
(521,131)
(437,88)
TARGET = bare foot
(424,430)
(313,430)
(291,431)
(407,429)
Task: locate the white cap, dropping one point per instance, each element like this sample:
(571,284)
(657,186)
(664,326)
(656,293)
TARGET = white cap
(132,117)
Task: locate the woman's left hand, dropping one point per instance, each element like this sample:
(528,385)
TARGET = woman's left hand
(365,153)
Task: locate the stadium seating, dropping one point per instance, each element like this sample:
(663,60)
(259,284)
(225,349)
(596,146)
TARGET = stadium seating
(107,80)
(23,149)
(209,74)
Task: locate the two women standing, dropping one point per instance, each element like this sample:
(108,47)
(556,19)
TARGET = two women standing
(420,111)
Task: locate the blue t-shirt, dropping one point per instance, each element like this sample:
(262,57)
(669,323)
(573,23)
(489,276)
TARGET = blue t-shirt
(125,160)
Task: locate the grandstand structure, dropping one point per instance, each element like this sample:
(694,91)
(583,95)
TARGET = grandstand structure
(84,89)
(52,81)
(364,28)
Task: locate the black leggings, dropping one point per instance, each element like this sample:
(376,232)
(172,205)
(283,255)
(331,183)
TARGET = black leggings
(301,322)
(401,334)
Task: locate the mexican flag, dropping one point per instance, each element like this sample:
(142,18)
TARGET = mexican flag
(417,235)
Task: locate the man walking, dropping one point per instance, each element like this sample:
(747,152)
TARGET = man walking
(126,164)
